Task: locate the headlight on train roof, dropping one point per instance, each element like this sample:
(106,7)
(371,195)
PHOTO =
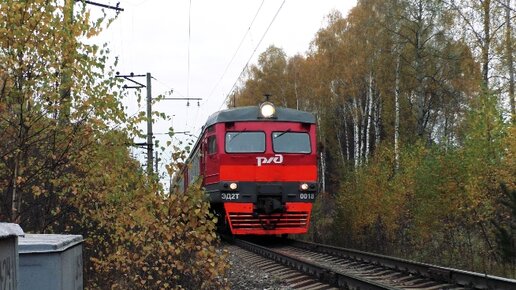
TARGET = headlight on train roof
(233,186)
(303,186)
(267,110)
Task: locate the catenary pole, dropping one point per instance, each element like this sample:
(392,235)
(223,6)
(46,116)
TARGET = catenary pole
(149,126)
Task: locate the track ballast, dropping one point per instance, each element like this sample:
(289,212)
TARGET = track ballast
(351,269)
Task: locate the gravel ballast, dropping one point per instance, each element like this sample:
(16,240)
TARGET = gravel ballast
(244,275)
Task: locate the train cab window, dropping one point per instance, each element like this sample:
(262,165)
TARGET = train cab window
(212,145)
(291,142)
(245,142)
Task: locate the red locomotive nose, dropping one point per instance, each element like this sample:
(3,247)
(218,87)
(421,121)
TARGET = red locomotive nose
(259,170)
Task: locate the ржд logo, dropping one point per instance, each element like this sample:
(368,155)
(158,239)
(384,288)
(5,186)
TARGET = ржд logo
(278,159)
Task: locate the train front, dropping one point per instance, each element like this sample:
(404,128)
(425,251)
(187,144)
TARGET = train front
(268,171)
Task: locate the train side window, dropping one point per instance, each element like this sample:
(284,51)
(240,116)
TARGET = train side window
(212,145)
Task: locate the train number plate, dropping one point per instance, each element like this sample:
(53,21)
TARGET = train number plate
(230,196)
(309,196)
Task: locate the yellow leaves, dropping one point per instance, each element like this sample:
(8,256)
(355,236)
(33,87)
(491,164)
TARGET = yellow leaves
(20,180)
(160,244)
(92,32)
(36,190)
(179,266)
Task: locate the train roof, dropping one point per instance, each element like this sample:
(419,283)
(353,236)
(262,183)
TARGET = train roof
(252,113)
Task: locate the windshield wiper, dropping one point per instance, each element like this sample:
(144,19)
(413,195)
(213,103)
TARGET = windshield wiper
(283,133)
(237,133)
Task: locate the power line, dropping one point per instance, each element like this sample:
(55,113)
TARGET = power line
(189,42)
(169,90)
(236,51)
(231,61)
(254,51)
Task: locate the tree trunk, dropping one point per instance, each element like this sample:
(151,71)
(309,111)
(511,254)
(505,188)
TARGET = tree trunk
(363,113)
(377,122)
(446,132)
(323,170)
(66,70)
(420,92)
(346,135)
(369,115)
(295,92)
(356,133)
(510,60)
(14,193)
(322,156)
(341,151)
(338,134)
(397,113)
(486,6)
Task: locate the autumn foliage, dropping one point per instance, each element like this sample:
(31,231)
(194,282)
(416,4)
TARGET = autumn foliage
(416,128)
(66,164)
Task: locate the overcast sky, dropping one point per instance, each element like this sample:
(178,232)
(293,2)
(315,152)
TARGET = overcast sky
(157,36)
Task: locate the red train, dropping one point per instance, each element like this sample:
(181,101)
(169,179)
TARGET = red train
(259,168)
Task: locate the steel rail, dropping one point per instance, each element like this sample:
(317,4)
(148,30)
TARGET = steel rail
(324,274)
(438,273)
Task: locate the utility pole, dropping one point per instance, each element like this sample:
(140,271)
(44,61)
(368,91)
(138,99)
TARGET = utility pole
(66,72)
(149,144)
(156,163)
(149,126)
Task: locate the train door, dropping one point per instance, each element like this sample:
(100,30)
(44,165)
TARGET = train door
(212,161)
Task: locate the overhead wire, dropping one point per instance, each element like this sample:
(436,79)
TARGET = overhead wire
(236,51)
(230,62)
(254,51)
(169,86)
(189,43)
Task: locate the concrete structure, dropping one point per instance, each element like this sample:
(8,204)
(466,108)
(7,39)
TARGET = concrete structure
(9,234)
(50,262)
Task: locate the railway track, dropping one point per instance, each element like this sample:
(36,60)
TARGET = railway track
(290,278)
(351,269)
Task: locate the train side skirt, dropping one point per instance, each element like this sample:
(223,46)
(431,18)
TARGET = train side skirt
(243,220)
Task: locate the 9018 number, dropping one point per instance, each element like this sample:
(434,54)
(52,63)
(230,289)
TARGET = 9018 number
(306,195)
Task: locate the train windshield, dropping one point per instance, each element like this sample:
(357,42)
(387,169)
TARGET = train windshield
(245,142)
(291,142)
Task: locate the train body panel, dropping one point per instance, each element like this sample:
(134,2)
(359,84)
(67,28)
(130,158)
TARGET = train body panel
(243,219)
(260,174)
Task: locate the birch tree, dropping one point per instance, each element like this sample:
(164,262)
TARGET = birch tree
(484,24)
(509,55)
(269,76)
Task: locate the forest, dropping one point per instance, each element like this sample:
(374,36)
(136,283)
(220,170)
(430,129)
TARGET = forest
(416,112)
(415,106)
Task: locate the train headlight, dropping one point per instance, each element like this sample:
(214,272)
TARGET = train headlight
(303,186)
(267,110)
(233,186)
